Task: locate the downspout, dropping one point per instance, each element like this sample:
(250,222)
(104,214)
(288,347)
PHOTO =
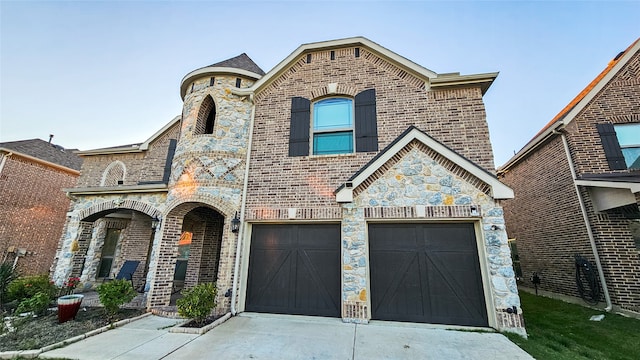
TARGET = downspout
(243,205)
(583,208)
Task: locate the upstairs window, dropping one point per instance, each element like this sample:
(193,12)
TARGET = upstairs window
(333,126)
(337,125)
(629,140)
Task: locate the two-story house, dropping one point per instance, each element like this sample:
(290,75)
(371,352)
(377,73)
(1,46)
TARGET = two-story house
(347,181)
(577,192)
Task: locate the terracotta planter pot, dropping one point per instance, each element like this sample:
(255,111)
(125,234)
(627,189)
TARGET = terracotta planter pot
(68,307)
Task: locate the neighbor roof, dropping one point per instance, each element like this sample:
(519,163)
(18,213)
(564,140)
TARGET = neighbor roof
(568,113)
(43,150)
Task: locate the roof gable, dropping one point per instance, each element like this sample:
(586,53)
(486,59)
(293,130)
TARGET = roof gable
(569,112)
(345,192)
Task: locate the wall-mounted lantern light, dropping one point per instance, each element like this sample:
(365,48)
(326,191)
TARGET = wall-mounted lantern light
(235,223)
(155,222)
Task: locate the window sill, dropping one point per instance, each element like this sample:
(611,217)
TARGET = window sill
(330,156)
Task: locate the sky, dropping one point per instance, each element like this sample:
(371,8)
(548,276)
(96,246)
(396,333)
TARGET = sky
(106,73)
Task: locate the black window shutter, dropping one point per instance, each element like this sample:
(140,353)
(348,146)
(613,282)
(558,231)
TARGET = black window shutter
(167,165)
(299,133)
(366,125)
(611,146)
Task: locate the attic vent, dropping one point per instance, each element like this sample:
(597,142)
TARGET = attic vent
(357,52)
(308,58)
(333,55)
(212,81)
(238,82)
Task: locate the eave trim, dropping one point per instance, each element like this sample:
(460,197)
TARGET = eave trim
(122,189)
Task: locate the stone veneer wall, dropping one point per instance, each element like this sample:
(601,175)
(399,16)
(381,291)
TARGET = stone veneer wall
(419,180)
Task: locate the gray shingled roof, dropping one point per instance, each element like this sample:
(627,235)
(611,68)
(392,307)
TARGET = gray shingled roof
(241,61)
(45,151)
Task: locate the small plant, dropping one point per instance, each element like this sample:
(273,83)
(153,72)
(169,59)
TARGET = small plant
(70,285)
(7,275)
(114,294)
(38,303)
(26,287)
(197,303)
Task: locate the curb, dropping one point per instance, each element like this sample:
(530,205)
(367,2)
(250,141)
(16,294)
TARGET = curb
(34,353)
(199,331)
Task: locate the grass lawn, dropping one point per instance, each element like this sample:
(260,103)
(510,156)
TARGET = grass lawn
(559,330)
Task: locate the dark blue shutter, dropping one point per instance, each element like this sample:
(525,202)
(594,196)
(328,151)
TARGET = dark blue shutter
(366,125)
(167,165)
(299,132)
(611,146)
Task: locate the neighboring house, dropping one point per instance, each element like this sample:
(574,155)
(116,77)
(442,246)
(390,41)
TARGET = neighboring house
(348,181)
(33,207)
(577,187)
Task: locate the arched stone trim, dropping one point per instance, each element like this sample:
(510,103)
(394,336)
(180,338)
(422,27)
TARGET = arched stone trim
(334,89)
(206,117)
(116,171)
(120,204)
(225,208)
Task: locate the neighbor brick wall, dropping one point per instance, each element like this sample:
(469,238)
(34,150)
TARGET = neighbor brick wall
(545,218)
(144,166)
(33,211)
(455,117)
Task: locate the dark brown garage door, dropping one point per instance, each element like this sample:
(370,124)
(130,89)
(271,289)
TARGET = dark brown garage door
(426,273)
(295,269)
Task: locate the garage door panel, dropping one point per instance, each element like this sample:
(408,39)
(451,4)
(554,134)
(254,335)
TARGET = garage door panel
(294,269)
(442,284)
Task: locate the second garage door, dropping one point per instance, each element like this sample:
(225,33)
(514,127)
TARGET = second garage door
(426,273)
(295,269)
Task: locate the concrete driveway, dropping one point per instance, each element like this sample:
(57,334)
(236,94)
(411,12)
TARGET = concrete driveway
(264,336)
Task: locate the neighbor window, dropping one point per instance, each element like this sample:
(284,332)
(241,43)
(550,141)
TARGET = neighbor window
(629,140)
(333,126)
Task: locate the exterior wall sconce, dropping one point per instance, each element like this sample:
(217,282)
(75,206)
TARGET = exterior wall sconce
(155,222)
(235,224)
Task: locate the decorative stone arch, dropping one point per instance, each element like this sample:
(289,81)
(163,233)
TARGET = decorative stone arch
(225,208)
(114,173)
(115,204)
(206,117)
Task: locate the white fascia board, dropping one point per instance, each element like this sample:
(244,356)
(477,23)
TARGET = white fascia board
(122,189)
(115,150)
(211,70)
(498,189)
(354,41)
(531,145)
(40,161)
(145,145)
(633,187)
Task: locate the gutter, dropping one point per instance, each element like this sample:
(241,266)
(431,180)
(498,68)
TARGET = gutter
(236,266)
(587,224)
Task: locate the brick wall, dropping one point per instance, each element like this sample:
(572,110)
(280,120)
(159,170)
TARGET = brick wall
(33,211)
(144,166)
(545,218)
(455,117)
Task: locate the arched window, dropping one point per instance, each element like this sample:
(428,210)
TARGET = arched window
(206,117)
(114,174)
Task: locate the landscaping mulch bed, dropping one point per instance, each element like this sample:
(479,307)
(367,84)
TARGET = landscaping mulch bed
(207,321)
(36,332)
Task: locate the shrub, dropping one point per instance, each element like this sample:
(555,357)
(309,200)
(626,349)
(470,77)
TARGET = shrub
(114,294)
(197,303)
(38,303)
(26,287)
(7,275)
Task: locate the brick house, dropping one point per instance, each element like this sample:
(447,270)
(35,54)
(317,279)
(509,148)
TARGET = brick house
(577,187)
(362,184)
(33,206)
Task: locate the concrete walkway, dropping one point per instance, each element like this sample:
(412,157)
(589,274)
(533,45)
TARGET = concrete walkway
(263,336)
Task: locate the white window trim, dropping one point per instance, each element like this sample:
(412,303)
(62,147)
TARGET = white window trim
(352,128)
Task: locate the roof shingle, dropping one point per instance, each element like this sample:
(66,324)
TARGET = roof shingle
(45,151)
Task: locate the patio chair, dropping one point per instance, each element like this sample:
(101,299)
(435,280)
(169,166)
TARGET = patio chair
(126,271)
